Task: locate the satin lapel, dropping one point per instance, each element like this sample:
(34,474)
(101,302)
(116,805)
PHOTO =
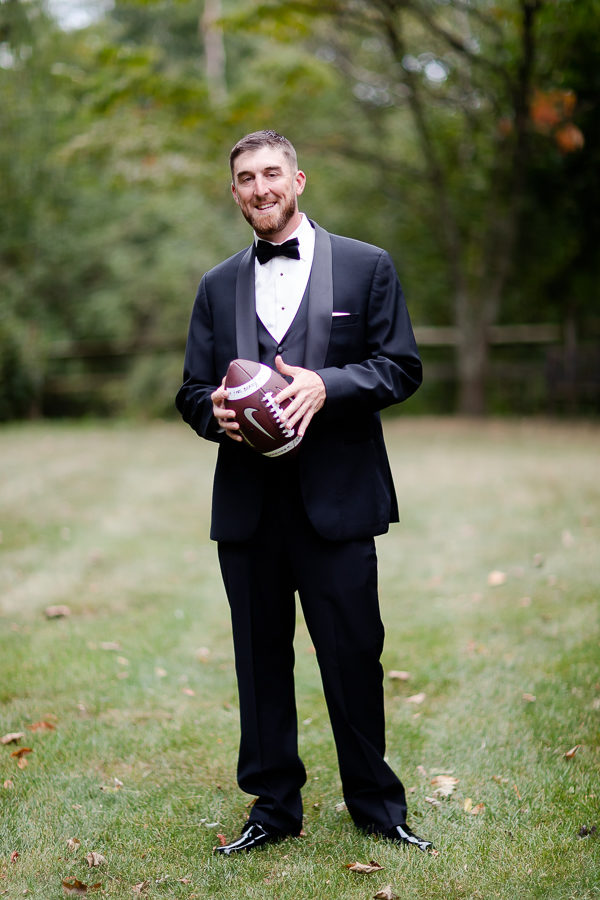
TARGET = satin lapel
(320,302)
(245,309)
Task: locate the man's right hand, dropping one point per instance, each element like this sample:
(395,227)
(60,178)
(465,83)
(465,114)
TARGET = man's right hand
(225,417)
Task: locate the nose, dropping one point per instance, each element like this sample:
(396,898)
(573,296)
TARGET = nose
(261,186)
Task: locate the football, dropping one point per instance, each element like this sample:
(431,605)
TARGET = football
(251,391)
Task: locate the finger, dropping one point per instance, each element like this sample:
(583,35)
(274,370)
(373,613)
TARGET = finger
(297,414)
(301,430)
(284,368)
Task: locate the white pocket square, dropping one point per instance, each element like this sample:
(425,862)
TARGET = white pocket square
(340,313)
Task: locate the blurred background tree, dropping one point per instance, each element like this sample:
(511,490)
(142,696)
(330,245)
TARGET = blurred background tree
(462,136)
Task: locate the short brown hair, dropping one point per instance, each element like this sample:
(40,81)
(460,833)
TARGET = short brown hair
(258,139)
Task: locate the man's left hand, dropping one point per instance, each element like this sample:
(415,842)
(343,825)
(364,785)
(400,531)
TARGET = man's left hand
(307,392)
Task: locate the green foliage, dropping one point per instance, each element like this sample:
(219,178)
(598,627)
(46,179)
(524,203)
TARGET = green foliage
(116,136)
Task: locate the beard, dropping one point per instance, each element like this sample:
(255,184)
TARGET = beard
(269,226)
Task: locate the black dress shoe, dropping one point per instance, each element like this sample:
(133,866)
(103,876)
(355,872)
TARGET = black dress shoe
(254,835)
(401,834)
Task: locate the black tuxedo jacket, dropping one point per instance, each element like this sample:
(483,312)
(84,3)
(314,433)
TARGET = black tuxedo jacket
(367,359)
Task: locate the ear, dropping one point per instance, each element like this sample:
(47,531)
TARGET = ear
(234,192)
(300,181)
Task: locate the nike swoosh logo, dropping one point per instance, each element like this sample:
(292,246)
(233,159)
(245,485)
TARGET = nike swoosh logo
(249,413)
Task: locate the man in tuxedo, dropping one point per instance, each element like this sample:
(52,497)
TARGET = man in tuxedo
(328,312)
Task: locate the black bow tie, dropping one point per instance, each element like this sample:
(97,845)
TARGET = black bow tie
(266,251)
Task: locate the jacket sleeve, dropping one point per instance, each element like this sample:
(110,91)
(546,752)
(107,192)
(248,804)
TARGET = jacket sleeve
(390,370)
(193,399)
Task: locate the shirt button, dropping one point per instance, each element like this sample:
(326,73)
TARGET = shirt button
(280,348)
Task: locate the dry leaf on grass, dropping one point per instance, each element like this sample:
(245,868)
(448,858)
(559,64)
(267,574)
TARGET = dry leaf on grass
(397,675)
(416,698)
(496,578)
(474,810)
(73,887)
(140,887)
(12,738)
(445,785)
(42,726)
(8,784)
(73,843)
(571,753)
(222,840)
(95,859)
(433,801)
(21,752)
(14,856)
(386,893)
(57,612)
(529,698)
(364,868)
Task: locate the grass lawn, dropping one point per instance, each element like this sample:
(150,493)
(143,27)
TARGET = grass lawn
(489,589)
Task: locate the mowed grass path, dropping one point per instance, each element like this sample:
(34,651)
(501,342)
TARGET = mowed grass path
(139,682)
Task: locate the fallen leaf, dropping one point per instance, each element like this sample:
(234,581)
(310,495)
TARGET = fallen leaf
(444,785)
(95,859)
(529,698)
(567,539)
(416,698)
(8,784)
(22,762)
(57,612)
(496,578)
(468,805)
(478,809)
(222,840)
(42,726)
(397,675)
(364,868)
(517,791)
(12,738)
(571,753)
(433,801)
(188,692)
(584,831)
(73,843)
(73,886)
(202,654)
(340,807)
(14,856)
(386,893)
(21,752)
(422,771)
(141,887)
(499,779)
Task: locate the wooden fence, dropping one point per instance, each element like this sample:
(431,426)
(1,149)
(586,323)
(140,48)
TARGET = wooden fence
(540,368)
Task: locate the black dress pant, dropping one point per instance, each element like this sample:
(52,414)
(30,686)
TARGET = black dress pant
(337,586)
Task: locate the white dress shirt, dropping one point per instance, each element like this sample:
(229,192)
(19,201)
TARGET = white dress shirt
(281,282)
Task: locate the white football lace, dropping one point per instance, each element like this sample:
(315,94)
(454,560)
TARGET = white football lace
(276,410)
